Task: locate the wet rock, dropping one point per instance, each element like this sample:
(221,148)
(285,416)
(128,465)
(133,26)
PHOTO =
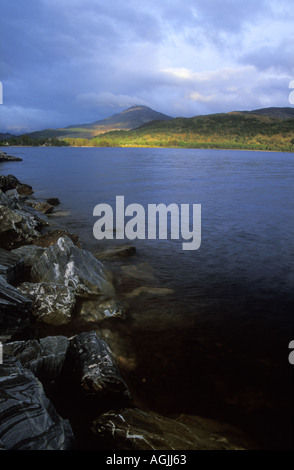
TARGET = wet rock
(116,252)
(14,310)
(134,429)
(11,265)
(11,182)
(54,201)
(95,310)
(17,228)
(44,357)
(93,369)
(8,182)
(9,158)
(75,268)
(43,207)
(29,421)
(28,253)
(52,303)
(50,238)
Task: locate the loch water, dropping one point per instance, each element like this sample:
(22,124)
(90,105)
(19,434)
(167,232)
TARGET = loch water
(206,331)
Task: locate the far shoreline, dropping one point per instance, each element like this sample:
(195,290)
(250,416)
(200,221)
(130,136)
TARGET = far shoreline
(143,146)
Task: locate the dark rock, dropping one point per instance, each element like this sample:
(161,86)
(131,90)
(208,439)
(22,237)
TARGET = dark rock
(28,253)
(52,304)
(14,310)
(29,421)
(8,182)
(44,357)
(11,265)
(75,268)
(93,369)
(11,182)
(51,237)
(54,201)
(17,228)
(133,429)
(9,158)
(116,252)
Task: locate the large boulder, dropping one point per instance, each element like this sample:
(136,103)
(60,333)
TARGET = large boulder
(93,370)
(11,265)
(65,263)
(17,227)
(11,182)
(52,303)
(29,254)
(29,421)
(44,357)
(14,310)
(134,429)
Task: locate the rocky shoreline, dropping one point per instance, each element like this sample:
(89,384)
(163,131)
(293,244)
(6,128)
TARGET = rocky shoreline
(61,391)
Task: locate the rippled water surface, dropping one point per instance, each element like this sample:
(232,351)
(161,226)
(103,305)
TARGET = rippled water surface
(207,331)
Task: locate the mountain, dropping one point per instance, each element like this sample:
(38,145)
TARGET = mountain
(130,118)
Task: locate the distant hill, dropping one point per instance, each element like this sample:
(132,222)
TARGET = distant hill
(6,136)
(235,130)
(128,119)
(279,113)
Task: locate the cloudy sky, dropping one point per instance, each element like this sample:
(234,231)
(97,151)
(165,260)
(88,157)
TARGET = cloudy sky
(65,62)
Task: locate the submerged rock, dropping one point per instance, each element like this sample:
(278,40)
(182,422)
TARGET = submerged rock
(134,429)
(52,303)
(149,290)
(73,267)
(29,421)
(122,251)
(95,310)
(54,201)
(93,370)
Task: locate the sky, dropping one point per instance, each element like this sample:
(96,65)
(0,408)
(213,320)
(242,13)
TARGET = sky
(66,62)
